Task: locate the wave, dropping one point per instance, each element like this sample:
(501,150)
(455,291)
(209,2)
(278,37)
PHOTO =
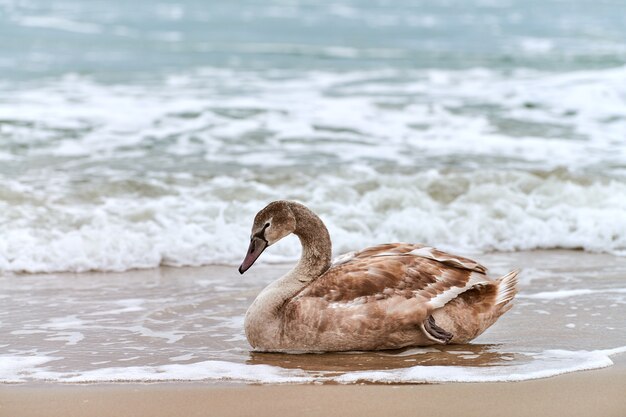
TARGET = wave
(209,223)
(101,176)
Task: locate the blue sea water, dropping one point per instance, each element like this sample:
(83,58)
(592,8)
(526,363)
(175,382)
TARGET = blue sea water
(127,40)
(137,134)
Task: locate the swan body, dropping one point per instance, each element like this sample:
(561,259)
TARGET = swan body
(383,297)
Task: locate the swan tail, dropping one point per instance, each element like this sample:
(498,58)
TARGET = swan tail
(507,287)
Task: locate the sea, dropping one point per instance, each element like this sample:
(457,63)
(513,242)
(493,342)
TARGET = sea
(143,135)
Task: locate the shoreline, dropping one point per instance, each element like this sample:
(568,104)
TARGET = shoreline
(146,321)
(586,393)
(176,324)
(287,263)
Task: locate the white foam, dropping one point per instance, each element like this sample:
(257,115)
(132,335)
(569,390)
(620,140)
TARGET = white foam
(20,369)
(63,323)
(58,23)
(539,365)
(409,160)
(546,364)
(130,305)
(14,368)
(553,295)
(537,45)
(71,338)
(489,214)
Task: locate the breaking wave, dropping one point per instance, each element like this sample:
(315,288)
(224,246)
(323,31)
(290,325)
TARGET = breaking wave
(171,171)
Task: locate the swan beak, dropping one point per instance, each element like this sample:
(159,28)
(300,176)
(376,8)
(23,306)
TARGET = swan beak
(257,246)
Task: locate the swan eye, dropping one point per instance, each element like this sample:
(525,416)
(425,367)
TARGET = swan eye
(267,224)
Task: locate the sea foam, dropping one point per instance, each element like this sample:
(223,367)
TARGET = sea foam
(540,365)
(478,211)
(171,171)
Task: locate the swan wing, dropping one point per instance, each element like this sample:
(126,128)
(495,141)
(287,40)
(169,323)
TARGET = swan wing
(411,271)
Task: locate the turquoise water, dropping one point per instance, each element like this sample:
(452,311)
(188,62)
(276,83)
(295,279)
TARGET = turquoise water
(120,40)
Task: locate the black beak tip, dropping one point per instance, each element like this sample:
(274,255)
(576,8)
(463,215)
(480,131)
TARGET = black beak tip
(241,270)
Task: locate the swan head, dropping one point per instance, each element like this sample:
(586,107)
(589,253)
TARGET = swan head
(270,225)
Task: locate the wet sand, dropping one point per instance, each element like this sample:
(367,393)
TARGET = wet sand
(169,324)
(111,331)
(591,393)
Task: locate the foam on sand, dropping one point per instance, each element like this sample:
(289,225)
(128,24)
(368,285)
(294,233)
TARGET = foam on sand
(540,365)
(544,364)
(553,295)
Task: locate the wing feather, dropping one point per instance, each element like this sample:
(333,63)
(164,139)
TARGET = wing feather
(415,271)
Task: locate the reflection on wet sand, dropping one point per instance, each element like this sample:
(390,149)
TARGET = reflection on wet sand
(451,355)
(188,323)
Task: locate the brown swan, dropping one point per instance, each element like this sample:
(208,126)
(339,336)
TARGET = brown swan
(383,297)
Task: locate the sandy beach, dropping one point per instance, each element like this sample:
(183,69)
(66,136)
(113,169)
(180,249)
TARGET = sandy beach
(590,393)
(169,341)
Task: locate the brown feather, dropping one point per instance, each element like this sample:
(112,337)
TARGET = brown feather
(387,270)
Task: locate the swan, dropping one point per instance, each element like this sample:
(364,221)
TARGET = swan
(388,296)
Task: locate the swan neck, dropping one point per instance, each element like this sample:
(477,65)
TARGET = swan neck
(316,244)
(262,323)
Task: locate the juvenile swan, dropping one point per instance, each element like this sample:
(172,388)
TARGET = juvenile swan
(384,297)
